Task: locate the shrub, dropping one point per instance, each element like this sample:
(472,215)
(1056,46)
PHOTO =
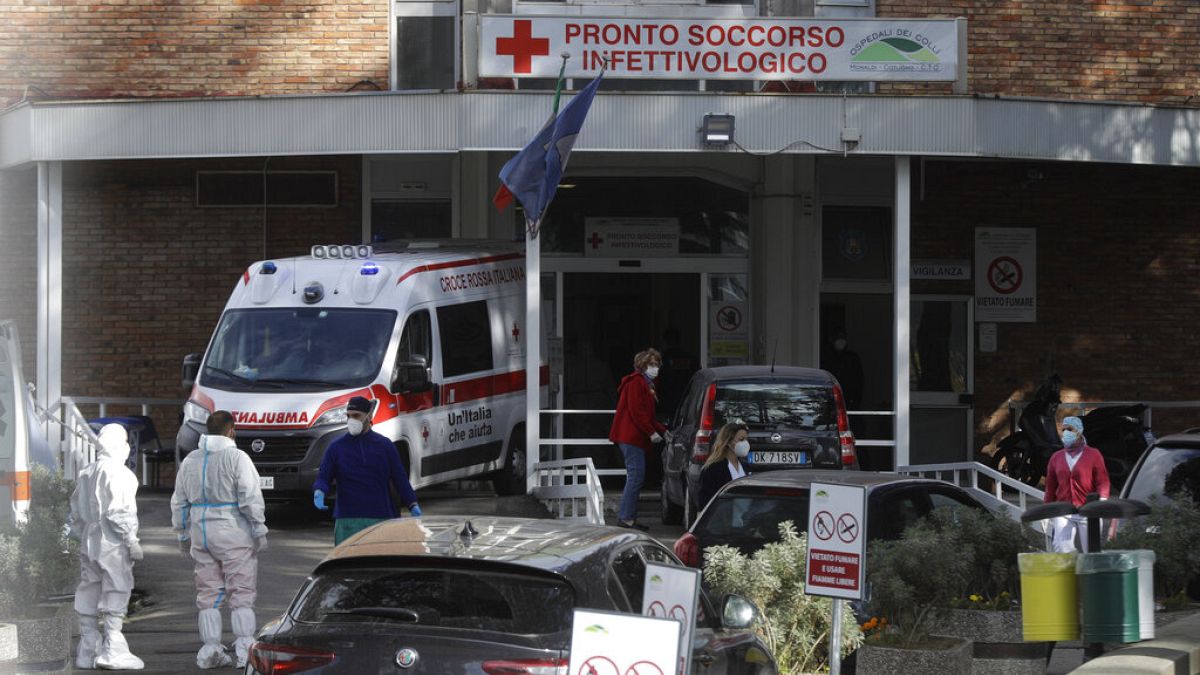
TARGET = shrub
(962,558)
(1171,530)
(37,559)
(990,544)
(913,578)
(794,625)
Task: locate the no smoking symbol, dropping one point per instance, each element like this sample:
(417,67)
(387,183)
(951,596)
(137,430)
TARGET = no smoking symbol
(847,528)
(729,318)
(823,525)
(1004,275)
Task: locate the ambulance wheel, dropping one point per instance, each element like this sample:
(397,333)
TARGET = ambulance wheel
(510,480)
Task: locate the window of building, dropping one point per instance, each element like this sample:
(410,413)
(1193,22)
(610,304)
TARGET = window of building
(395,219)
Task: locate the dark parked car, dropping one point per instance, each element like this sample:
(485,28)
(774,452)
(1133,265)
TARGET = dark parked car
(489,595)
(1169,468)
(796,419)
(746,513)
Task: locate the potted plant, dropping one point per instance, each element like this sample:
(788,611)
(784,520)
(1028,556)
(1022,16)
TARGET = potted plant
(988,613)
(794,625)
(912,581)
(38,562)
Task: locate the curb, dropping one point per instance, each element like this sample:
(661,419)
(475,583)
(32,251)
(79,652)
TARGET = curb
(1176,651)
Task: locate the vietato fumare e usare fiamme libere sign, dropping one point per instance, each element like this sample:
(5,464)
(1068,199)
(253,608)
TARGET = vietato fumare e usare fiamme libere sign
(720,49)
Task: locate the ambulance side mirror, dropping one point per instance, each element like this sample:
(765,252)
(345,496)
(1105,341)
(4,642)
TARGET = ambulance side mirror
(191,368)
(411,377)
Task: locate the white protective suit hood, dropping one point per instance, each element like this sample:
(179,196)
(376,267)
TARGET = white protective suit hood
(114,443)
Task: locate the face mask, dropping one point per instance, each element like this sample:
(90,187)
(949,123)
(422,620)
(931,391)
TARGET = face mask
(839,344)
(355,427)
(1070,438)
(652,372)
(741,448)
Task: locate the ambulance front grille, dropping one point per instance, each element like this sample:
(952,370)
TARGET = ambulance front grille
(275,448)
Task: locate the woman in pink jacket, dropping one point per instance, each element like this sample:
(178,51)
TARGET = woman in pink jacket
(1072,473)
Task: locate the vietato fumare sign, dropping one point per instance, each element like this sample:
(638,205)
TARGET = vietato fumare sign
(720,49)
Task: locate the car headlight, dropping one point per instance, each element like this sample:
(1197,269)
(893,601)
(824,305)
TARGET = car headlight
(335,416)
(194,412)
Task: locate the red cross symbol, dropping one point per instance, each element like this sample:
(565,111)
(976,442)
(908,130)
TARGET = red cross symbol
(516,332)
(522,46)
(595,240)
(425,432)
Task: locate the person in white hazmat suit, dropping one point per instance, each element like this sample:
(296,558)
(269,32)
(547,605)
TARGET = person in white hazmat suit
(218,514)
(104,519)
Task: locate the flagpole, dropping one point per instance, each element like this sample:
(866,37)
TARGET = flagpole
(533,351)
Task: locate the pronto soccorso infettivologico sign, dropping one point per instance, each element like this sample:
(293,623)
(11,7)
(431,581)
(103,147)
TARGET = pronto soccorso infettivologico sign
(720,49)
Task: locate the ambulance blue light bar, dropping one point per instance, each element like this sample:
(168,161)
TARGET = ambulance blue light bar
(267,268)
(342,252)
(369,269)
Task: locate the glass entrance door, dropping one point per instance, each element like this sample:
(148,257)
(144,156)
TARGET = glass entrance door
(941,379)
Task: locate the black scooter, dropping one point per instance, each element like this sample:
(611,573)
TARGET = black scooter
(1025,453)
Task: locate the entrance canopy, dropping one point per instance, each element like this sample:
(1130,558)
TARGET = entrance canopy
(388,122)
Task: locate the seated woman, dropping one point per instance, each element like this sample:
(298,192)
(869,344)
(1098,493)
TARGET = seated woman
(725,461)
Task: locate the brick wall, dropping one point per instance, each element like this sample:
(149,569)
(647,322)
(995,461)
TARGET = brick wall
(18,260)
(146,273)
(1117,283)
(121,48)
(1076,49)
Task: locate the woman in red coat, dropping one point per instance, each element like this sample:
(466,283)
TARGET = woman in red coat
(635,430)
(1071,474)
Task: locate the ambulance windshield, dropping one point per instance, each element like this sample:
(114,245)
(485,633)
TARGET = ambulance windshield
(297,349)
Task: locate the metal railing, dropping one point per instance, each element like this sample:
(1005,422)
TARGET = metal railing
(559,443)
(77,442)
(571,490)
(1015,408)
(1006,492)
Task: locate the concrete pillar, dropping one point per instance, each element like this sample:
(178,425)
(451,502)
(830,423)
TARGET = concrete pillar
(49,294)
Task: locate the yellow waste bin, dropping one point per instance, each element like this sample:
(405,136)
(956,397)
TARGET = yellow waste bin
(1049,597)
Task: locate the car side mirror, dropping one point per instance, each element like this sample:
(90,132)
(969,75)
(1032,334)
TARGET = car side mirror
(411,376)
(738,612)
(191,368)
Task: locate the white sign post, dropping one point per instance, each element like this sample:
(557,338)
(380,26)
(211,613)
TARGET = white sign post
(1006,279)
(672,592)
(608,643)
(837,550)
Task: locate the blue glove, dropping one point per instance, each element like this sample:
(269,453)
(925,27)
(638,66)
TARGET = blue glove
(319,500)
(415,510)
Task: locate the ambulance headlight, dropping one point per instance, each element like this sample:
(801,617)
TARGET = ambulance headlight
(335,416)
(194,412)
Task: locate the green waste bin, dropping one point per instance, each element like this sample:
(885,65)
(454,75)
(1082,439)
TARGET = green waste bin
(1049,596)
(1108,596)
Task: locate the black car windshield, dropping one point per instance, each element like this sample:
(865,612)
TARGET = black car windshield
(1174,473)
(297,348)
(470,599)
(752,520)
(770,405)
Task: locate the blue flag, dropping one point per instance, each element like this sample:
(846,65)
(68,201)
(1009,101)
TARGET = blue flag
(533,175)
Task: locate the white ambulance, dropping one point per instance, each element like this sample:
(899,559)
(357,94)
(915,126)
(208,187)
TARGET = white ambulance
(433,332)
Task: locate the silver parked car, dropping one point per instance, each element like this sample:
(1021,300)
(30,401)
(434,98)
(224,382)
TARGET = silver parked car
(485,595)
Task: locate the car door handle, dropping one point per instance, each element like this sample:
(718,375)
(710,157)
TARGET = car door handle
(705,659)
